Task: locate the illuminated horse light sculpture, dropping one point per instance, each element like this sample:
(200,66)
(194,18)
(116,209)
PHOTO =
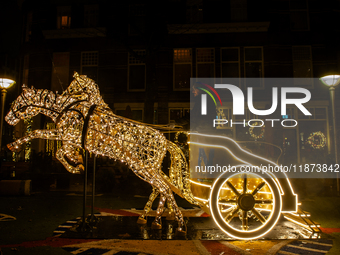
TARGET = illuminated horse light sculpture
(84,121)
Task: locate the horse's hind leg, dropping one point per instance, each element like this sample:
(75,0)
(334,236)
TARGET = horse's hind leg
(156,180)
(148,205)
(157,224)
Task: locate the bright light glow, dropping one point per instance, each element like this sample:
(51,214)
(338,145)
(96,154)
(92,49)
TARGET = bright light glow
(6,83)
(246,152)
(331,80)
(243,234)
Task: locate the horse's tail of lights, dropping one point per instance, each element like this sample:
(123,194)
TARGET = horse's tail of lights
(179,172)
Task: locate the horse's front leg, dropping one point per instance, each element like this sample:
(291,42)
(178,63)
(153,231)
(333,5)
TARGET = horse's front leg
(70,151)
(51,134)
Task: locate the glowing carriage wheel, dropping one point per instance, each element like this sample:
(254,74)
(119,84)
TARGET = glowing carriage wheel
(245,205)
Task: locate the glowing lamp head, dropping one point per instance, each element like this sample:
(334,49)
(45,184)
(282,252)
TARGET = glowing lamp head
(330,80)
(6,83)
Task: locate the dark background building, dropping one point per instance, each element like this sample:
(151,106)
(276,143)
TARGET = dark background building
(143,53)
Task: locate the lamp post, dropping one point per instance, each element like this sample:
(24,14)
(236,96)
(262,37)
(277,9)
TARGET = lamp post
(332,81)
(4,85)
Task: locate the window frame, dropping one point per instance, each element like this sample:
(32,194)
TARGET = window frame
(231,62)
(88,65)
(208,62)
(181,63)
(304,60)
(306,10)
(254,61)
(135,64)
(61,12)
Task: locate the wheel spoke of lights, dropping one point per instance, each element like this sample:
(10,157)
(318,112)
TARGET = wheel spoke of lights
(260,186)
(227,210)
(245,183)
(233,188)
(258,215)
(231,215)
(244,221)
(263,201)
(227,201)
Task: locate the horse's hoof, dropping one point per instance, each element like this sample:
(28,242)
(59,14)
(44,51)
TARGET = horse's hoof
(141,221)
(181,232)
(80,168)
(156,225)
(13,148)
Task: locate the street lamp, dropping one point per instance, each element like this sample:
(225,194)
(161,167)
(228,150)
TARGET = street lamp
(332,81)
(5,83)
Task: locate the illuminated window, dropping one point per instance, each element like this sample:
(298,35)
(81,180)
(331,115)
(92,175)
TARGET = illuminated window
(299,18)
(64,17)
(89,64)
(136,71)
(182,69)
(230,62)
(205,62)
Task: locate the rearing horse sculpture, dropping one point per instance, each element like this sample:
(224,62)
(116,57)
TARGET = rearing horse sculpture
(83,120)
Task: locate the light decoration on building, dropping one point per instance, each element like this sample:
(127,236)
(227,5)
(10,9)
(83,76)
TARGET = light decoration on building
(258,135)
(317,140)
(84,121)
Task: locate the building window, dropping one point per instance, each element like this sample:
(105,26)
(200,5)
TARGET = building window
(182,69)
(134,113)
(136,71)
(230,62)
(253,65)
(64,17)
(29,19)
(176,114)
(60,71)
(302,65)
(136,19)
(238,10)
(205,62)
(302,61)
(89,64)
(91,15)
(299,18)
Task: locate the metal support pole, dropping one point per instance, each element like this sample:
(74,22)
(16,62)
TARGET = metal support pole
(3,98)
(85,191)
(332,92)
(93,187)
